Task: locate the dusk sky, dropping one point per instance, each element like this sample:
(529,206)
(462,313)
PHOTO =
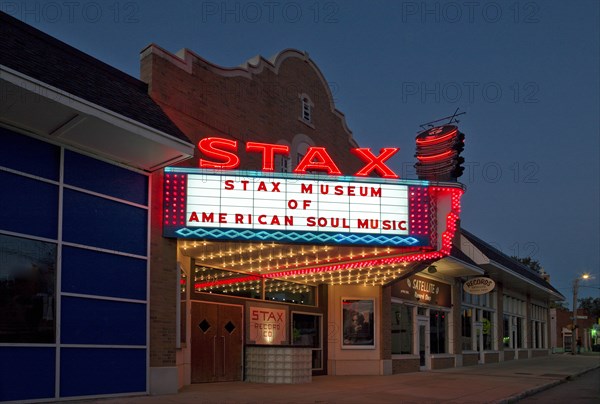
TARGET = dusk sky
(526,72)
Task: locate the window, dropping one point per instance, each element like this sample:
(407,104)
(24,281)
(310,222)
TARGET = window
(467,328)
(284,164)
(437,331)
(27,290)
(289,292)
(514,322)
(402,329)
(306,112)
(223,282)
(519,340)
(539,316)
(478,328)
(306,331)
(487,329)
(506,334)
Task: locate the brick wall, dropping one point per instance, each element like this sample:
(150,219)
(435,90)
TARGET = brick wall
(509,355)
(163,284)
(523,354)
(405,365)
(260,104)
(536,353)
(442,363)
(491,357)
(470,359)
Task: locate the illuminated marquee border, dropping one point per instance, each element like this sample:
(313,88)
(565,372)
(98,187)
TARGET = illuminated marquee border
(422,214)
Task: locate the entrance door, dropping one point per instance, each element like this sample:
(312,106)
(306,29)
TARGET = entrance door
(216,353)
(422,342)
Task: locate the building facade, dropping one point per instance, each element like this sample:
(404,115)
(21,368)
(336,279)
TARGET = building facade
(104,293)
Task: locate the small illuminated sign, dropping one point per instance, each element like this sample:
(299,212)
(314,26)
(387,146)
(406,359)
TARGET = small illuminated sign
(479,286)
(267,326)
(423,290)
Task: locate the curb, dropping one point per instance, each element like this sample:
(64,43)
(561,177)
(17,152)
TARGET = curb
(516,397)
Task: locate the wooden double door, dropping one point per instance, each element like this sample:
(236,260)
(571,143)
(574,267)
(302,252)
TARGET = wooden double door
(217,342)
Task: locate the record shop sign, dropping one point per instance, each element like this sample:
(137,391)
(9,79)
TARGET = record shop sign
(423,290)
(479,286)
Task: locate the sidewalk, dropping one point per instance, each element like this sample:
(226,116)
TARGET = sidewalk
(498,382)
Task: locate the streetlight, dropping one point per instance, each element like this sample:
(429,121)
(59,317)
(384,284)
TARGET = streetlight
(574,333)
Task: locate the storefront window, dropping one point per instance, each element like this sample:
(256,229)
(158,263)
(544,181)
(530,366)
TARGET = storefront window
(27,290)
(506,333)
(223,282)
(519,341)
(289,292)
(437,331)
(467,329)
(402,329)
(539,314)
(306,331)
(487,326)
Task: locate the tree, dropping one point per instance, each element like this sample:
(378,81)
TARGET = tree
(534,265)
(591,305)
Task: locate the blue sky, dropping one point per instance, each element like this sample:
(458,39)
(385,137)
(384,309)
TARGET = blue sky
(526,72)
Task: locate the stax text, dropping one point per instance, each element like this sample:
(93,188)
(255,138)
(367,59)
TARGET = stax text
(222,153)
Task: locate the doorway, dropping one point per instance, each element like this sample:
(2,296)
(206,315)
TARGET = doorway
(422,343)
(217,342)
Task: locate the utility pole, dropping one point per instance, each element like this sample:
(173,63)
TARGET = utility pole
(574,333)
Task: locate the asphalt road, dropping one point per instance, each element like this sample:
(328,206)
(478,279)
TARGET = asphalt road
(583,389)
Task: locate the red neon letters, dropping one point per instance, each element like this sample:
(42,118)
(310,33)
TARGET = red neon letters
(222,152)
(268,150)
(216,148)
(375,162)
(323,162)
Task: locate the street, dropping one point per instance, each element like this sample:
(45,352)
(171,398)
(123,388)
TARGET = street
(583,389)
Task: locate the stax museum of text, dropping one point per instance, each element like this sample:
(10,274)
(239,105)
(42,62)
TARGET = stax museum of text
(206,224)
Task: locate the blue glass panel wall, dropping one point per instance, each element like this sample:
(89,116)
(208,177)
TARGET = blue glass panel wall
(28,206)
(98,176)
(94,321)
(27,373)
(97,273)
(100,222)
(43,159)
(87,371)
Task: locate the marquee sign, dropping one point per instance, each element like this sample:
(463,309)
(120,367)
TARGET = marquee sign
(296,208)
(218,202)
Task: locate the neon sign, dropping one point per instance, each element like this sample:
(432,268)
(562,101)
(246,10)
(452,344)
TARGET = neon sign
(316,158)
(218,202)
